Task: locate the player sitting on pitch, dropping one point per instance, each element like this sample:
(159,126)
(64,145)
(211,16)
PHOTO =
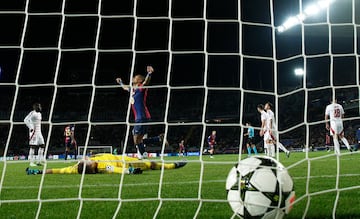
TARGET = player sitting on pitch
(109,163)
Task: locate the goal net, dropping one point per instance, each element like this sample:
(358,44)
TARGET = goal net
(214,62)
(90,150)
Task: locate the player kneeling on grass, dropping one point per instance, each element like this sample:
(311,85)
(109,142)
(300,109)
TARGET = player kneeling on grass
(109,163)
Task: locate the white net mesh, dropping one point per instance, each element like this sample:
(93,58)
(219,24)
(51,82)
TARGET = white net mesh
(214,62)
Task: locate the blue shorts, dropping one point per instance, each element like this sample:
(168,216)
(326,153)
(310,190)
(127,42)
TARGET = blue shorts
(140,129)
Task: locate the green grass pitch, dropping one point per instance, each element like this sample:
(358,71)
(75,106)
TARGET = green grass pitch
(182,193)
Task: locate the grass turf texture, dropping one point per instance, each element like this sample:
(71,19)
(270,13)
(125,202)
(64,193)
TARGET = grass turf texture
(142,196)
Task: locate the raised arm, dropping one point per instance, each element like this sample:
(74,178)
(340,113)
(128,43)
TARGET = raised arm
(123,86)
(149,70)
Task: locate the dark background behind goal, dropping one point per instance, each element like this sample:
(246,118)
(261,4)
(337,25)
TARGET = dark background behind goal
(208,50)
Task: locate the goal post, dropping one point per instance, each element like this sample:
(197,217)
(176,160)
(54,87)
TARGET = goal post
(92,150)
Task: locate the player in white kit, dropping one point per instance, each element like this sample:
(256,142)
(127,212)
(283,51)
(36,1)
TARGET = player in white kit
(271,124)
(335,112)
(268,144)
(36,139)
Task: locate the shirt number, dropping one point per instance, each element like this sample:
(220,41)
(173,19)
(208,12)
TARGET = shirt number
(337,113)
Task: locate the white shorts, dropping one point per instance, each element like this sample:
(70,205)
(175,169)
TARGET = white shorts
(336,127)
(36,138)
(268,136)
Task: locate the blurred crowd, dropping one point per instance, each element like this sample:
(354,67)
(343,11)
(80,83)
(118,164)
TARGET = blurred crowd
(228,138)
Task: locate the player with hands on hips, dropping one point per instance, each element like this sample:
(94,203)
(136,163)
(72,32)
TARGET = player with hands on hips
(36,139)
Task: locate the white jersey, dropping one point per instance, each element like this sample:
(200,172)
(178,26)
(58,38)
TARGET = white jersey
(33,122)
(263,117)
(270,121)
(335,112)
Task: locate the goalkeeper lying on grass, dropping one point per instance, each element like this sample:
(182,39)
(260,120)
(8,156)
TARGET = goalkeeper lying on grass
(109,163)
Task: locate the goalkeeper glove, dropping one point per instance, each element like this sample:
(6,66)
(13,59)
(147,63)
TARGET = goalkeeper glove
(33,171)
(133,170)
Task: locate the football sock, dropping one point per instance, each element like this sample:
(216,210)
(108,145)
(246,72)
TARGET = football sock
(255,150)
(31,155)
(249,150)
(66,154)
(272,150)
(139,155)
(266,149)
(180,164)
(40,154)
(141,148)
(346,143)
(282,147)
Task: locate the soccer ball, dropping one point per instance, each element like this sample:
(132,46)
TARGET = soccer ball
(260,187)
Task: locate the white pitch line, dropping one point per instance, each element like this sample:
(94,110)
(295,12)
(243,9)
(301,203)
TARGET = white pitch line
(327,176)
(164,183)
(111,185)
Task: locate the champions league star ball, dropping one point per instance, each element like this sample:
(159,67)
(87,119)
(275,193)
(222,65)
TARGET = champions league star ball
(260,187)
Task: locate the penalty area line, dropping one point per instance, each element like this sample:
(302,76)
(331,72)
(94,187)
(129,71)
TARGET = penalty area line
(110,185)
(164,183)
(326,176)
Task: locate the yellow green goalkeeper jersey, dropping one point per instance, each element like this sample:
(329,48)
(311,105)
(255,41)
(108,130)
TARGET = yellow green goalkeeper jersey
(109,163)
(66,170)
